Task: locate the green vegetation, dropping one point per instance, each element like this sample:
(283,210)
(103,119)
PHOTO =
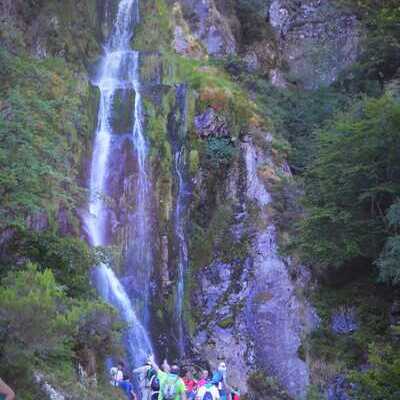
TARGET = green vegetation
(70,325)
(381,381)
(352,183)
(264,387)
(381,59)
(50,318)
(42,127)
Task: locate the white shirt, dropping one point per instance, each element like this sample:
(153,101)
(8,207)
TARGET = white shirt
(120,376)
(204,389)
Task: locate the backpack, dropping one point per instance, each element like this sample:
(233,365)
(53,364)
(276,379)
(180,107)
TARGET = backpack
(169,388)
(154,383)
(207,396)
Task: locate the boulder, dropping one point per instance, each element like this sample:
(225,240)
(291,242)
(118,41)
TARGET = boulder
(210,124)
(344,321)
(318,39)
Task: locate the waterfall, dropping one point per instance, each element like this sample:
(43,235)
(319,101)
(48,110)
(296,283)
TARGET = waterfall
(180,234)
(119,70)
(178,130)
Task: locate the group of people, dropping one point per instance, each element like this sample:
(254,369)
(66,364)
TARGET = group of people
(167,383)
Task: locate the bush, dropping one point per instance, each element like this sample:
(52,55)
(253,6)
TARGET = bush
(69,258)
(264,387)
(220,151)
(33,317)
(40,327)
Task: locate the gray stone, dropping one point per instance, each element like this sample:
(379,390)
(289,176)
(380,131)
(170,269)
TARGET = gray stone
(50,392)
(210,124)
(210,27)
(318,39)
(344,321)
(277,318)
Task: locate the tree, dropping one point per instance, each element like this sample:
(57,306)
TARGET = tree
(33,316)
(351,184)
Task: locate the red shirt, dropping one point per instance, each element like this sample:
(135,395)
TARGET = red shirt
(190,384)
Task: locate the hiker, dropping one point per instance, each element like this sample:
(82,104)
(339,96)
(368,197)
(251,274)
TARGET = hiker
(219,379)
(126,386)
(116,376)
(235,394)
(151,387)
(144,380)
(190,385)
(120,372)
(208,391)
(6,392)
(171,385)
(203,378)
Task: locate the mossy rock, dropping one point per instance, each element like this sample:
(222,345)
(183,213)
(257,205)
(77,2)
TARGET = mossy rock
(226,323)
(122,116)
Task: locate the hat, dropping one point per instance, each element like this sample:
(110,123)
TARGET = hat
(222,366)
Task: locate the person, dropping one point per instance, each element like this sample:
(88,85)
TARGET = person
(145,372)
(235,394)
(6,392)
(203,378)
(114,374)
(151,386)
(190,385)
(120,372)
(219,379)
(126,386)
(208,391)
(171,385)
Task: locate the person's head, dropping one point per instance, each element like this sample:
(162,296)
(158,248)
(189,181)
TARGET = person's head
(174,370)
(222,367)
(188,374)
(165,366)
(120,365)
(204,374)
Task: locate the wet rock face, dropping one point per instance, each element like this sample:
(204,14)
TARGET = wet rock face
(252,316)
(276,318)
(222,291)
(122,119)
(207,25)
(317,39)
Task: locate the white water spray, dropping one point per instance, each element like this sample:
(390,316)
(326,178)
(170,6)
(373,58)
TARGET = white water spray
(119,70)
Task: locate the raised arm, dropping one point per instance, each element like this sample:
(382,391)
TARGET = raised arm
(141,370)
(6,390)
(153,364)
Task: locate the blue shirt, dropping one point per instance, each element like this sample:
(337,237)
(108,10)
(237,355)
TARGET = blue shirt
(127,388)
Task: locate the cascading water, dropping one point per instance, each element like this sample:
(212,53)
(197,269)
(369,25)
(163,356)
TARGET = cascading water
(180,212)
(179,132)
(119,70)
